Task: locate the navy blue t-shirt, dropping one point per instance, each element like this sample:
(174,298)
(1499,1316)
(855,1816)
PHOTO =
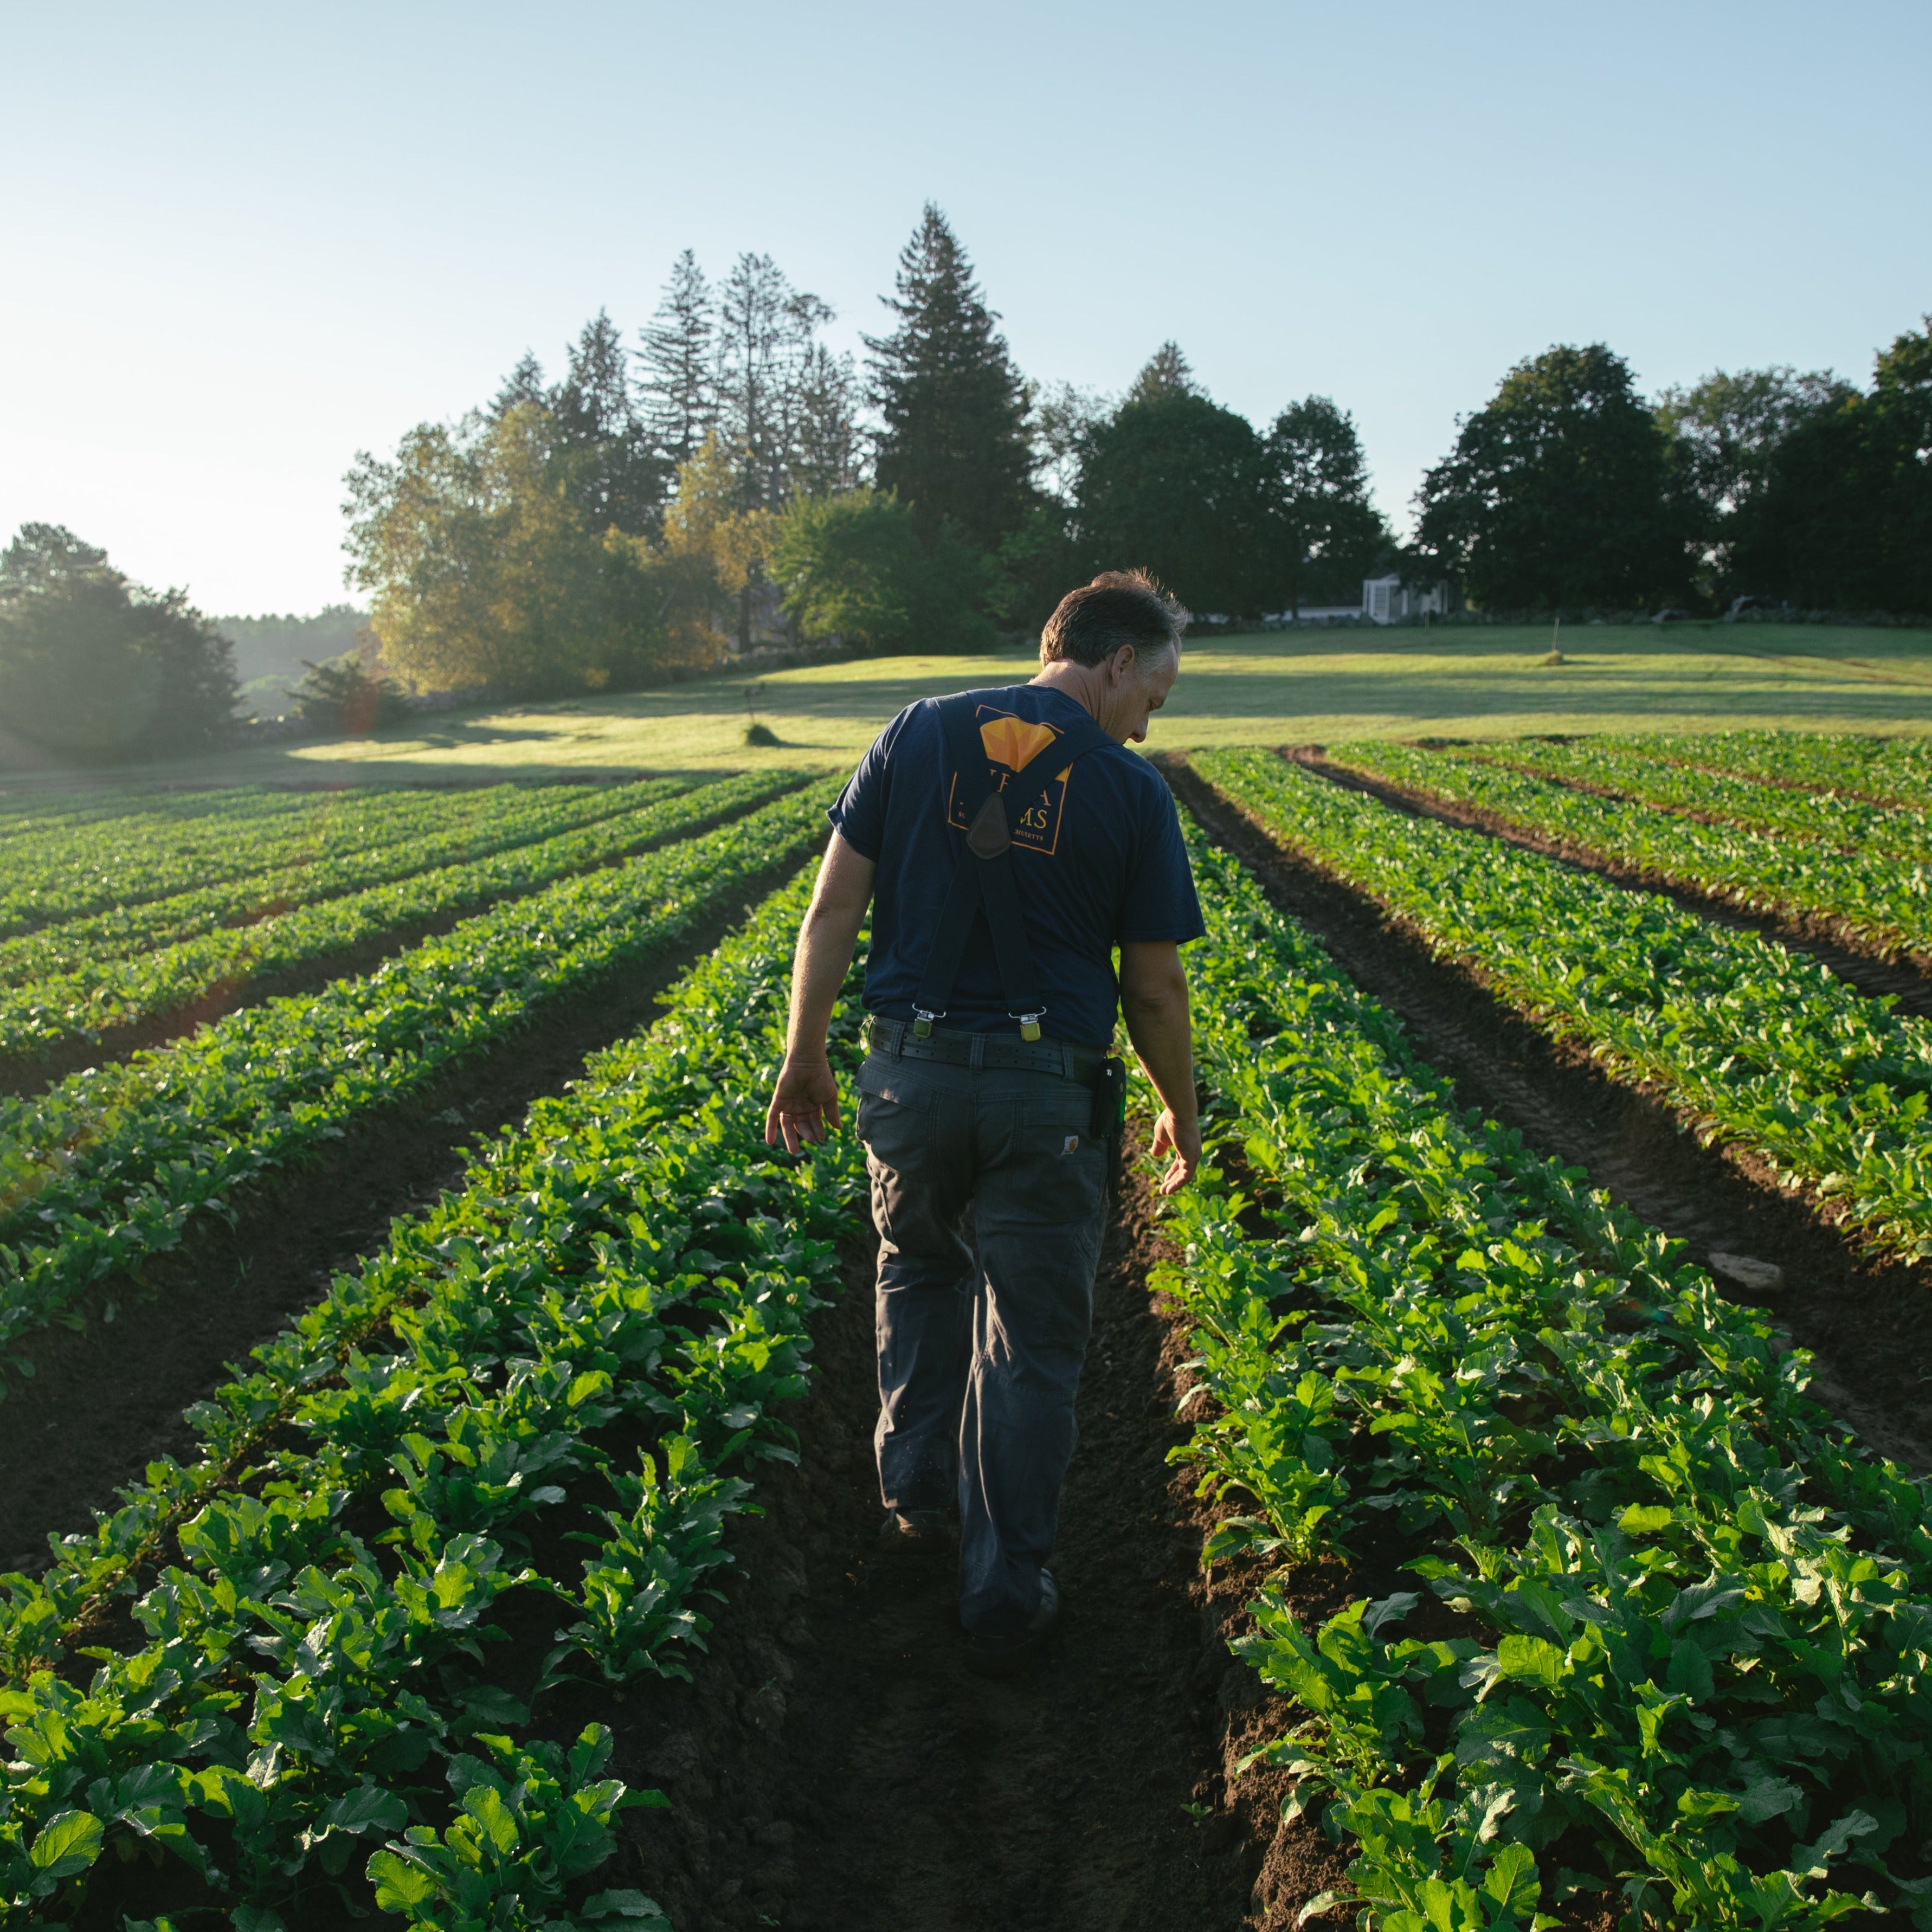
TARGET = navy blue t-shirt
(1097,859)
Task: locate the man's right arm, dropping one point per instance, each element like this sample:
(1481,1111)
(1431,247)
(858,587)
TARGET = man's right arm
(1154,1002)
(804,1105)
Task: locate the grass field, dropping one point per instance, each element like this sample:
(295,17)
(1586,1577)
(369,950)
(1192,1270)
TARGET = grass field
(1249,690)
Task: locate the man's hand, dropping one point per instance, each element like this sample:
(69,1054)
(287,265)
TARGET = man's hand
(1154,998)
(804,1105)
(1184,1144)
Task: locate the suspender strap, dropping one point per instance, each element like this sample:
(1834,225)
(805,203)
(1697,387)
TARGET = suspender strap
(982,880)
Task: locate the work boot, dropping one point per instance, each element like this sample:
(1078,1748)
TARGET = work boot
(1008,1655)
(920,1532)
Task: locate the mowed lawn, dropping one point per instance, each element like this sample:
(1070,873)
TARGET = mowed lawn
(1267,689)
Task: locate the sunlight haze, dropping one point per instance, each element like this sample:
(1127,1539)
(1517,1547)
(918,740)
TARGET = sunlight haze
(244,243)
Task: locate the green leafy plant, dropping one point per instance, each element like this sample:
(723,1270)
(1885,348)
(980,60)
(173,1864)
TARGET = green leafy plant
(1750,1042)
(287,1702)
(112,1166)
(1682,1622)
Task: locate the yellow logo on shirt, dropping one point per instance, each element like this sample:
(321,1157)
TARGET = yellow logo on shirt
(1014,742)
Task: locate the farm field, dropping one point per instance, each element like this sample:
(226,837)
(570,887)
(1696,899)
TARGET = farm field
(1501,1499)
(1263,689)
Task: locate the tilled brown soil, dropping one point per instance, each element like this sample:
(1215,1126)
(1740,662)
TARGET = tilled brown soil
(1861,962)
(835,1765)
(105,1401)
(1864,1319)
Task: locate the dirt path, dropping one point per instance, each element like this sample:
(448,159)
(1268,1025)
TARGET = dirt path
(1863,1320)
(835,1765)
(105,1401)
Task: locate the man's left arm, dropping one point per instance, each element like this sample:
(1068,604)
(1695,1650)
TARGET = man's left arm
(1154,1002)
(805,1103)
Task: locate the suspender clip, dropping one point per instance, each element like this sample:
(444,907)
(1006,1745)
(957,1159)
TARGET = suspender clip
(1030,1023)
(922,1025)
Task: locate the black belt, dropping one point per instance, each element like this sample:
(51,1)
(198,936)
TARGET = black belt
(896,1039)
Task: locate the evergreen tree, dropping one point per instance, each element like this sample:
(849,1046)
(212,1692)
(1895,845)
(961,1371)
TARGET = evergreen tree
(680,378)
(765,336)
(825,453)
(955,442)
(1167,374)
(603,445)
(524,384)
(1333,534)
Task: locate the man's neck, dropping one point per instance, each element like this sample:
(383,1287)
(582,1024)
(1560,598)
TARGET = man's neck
(1076,681)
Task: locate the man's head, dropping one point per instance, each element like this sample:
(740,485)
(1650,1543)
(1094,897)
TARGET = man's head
(1119,638)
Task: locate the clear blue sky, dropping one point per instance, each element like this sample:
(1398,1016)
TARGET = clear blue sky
(243,242)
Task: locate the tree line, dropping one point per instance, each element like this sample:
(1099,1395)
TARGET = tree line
(725,479)
(1567,490)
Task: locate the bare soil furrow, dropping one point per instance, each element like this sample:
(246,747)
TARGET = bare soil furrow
(834,1764)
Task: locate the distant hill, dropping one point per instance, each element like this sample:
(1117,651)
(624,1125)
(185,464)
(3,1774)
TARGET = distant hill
(269,650)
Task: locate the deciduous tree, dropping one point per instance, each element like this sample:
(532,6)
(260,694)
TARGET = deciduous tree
(1559,492)
(1175,483)
(486,568)
(98,668)
(854,566)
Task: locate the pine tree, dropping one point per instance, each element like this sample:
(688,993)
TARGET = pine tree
(680,378)
(956,441)
(1320,476)
(612,469)
(1167,374)
(524,384)
(765,343)
(825,453)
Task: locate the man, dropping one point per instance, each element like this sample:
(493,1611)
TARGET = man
(1012,842)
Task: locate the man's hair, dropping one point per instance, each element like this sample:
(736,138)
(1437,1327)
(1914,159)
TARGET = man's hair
(1119,607)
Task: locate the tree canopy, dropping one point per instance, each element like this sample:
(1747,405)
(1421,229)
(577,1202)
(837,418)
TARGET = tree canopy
(1333,535)
(1173,483)
(96,668)
(1560,492)
(1842,517)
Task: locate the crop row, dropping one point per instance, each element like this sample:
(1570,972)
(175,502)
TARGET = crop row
(71,873)
(82,1004)
(109,1166)
(473,825)
(29,814)
(1887,905)
(1897,770)
(1851,824)
(329,1629)
(1671,1630)
(1756,1044)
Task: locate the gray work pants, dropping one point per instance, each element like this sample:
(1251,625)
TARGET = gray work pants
(980,1345)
